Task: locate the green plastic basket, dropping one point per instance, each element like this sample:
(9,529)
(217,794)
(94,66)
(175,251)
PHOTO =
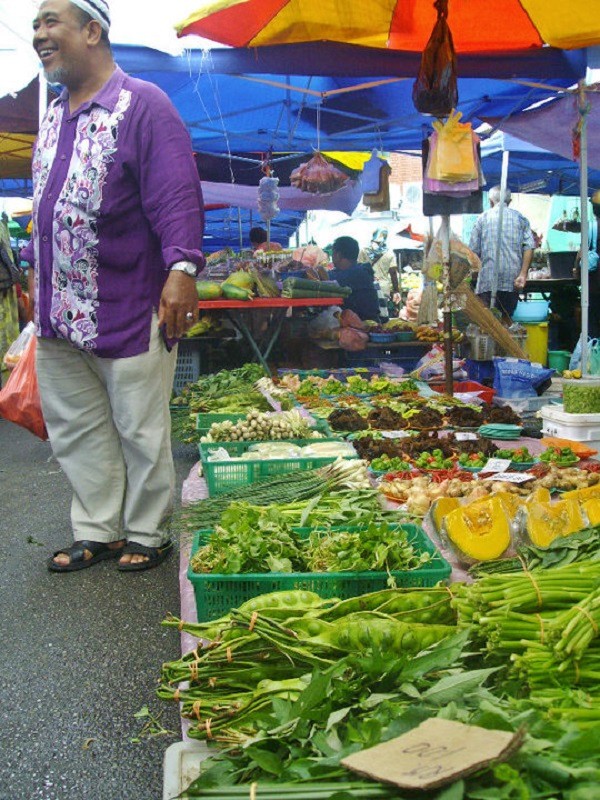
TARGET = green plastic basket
(205,419)
(217,594)
(221,476)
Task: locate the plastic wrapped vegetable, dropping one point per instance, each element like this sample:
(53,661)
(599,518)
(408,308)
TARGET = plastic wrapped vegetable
(268,196)
(318,176)
(436,90)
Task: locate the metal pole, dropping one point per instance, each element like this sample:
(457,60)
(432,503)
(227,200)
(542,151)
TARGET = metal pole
(447,312)
(241,235)
(503,182)
(585,294)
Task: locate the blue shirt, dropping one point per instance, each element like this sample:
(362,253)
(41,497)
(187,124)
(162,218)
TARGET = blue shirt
(361,279)
(516,238)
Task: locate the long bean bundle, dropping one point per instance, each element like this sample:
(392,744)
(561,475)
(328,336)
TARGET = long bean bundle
(289,487)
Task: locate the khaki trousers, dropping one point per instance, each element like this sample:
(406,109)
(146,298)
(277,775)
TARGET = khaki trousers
(110,430)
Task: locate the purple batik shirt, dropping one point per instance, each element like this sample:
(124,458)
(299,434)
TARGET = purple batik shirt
(117,201)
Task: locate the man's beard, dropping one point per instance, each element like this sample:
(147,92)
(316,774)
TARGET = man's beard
(58,75)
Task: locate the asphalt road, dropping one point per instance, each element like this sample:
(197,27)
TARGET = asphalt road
(80,652)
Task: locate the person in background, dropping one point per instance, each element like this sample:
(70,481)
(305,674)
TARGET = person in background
(516,251)
(260,241)
(594,269)
(358,277)
(384,264)
(117,230)
(9,310)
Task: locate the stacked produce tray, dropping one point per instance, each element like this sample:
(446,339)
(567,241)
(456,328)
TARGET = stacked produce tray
(217,594)
(221,476)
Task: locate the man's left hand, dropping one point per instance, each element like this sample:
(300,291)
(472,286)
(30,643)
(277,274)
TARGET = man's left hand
(177,301)
(520,281)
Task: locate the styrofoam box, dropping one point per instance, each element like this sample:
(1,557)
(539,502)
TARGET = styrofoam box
(181,766)
(576,427)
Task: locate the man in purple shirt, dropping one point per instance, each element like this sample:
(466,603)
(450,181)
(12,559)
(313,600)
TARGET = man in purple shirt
(117,232)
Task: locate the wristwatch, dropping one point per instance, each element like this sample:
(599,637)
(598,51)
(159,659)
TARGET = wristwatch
(185,266)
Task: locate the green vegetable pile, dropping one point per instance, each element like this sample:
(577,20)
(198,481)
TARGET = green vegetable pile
(289,488)
(291,684)
(559,456)
(199,396)
(251,539)
(386,464)
(581,397)
(258,426)
(520,455)
(472,460)
(433,459)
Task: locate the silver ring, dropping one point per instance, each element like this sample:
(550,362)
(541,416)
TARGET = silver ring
(189,315)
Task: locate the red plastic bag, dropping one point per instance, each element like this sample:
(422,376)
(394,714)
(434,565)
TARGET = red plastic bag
(20,398)
(436,89)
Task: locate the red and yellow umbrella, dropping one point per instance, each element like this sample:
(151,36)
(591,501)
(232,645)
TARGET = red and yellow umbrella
(477,25)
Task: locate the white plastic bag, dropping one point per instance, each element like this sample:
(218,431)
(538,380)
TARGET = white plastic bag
(17,348)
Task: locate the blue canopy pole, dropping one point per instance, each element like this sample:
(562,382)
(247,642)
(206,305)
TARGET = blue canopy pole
(503,182)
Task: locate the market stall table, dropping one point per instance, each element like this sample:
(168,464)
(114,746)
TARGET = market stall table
(279,306)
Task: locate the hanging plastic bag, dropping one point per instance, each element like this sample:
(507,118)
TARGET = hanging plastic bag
(20,398)
(451,152)
(436,89)
(17,348)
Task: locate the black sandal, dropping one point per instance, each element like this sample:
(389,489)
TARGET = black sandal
(100,552)
(156,555)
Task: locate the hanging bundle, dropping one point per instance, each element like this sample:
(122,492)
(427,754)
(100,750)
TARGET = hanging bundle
(452,154)
(436,90)
(376,183)
(268,195)
(318,176)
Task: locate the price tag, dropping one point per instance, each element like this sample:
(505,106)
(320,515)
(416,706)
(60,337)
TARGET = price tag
(436,753)
(497,465)
(464,436)
(395,434)
(512,477)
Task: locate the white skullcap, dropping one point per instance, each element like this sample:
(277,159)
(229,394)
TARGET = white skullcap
(97,9)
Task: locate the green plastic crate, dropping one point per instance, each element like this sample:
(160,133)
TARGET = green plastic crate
(221,476)
(217,594)
(205,419)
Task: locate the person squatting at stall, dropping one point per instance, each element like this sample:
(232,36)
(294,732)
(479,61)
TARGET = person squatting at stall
(358,277)
(117,232)
(516,251)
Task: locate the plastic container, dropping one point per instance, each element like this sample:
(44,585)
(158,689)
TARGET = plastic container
(531,311)
(464,387)
(559,359)
(523,405)
(536,344)
(382,338)
(577,427)
(221,476)
(582,393)
(216,594)
(405,336)
(181,766)
(562,264)
(187,368)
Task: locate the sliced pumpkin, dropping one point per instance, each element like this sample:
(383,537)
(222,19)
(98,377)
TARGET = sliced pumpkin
(581,495)
(545,522)
(591,508)
(479,531)
(441,508)
(539,495)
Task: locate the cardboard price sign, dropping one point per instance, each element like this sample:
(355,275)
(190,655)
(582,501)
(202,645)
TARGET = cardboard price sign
(437,752)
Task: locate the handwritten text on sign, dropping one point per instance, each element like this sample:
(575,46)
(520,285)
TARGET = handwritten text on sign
(438,752)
